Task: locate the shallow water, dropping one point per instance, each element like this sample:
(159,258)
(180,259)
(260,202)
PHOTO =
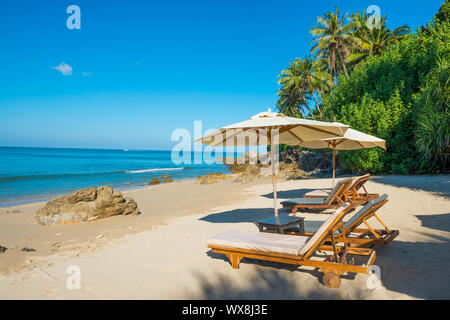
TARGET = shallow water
(33,174)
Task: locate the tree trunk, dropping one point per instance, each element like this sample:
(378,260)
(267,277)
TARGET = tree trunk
(342,63)
(317,105)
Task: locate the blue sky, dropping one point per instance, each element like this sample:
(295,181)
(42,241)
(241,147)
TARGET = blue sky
(141,69)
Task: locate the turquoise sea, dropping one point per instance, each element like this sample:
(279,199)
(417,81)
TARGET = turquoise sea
(35,174)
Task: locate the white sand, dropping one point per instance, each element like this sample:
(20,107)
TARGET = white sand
(171,261)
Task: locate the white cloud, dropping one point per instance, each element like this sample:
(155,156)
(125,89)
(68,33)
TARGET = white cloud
(87,74)
(64,68)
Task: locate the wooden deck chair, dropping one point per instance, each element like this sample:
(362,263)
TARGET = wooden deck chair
(333,260)
(353,191)
(335,199)
(354,235)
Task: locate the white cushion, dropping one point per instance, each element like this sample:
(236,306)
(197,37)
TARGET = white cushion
(260,241)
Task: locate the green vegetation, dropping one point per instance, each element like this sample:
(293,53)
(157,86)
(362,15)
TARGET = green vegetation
(444,12)
(391,84)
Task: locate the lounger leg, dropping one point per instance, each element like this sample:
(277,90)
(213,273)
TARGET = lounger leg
(294,209)
(235,260)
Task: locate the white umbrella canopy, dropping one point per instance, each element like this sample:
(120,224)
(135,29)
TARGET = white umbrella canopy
(292,131)
(269,125)
(351,140)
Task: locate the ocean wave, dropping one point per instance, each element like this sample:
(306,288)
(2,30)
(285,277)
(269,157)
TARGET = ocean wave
(152,170)
(51,176)
(78,175)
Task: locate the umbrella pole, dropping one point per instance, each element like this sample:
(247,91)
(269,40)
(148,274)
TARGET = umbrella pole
(274,183)
(334,158)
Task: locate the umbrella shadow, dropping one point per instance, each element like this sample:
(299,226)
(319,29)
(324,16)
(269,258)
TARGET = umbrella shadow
(266,284)
(418,269)
(277,265)
(439,222)
(288,194)
(269,280)
(239,215)
(439,184)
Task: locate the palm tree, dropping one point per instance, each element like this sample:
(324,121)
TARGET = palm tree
(299,83)
(292,99)
(369,42)
(333,40)
(359,23)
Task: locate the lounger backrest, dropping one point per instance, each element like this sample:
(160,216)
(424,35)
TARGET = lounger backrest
(360,181)
(322,233)
(356,220)
(339,189)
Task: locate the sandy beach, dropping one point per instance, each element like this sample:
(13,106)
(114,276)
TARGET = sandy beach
(162,253)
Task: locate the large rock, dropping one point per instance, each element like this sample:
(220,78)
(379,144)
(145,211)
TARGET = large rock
(86,205)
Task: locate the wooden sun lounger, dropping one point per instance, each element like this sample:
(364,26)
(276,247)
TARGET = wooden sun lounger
(352,192)
(336,198)
(355,235)
(299,250)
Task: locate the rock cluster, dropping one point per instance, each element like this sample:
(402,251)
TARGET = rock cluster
(167,178)
(294,163)
(155,181)
(249,173)
(212,178)
(86,205)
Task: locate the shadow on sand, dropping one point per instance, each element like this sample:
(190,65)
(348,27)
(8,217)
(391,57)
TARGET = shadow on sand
(269,280)
(440,184)
(288,194)
(240,215)
(417,269)
(439,222)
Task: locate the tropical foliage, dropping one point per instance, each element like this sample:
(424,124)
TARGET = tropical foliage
(302,82)
(433,123)
(332,41)
(392,84)
(371,41)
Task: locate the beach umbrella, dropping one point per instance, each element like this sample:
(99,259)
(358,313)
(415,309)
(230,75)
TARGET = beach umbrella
(351,140)
(274,127)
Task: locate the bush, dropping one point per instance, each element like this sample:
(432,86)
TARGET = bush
(433,124)
(444,12)
(384,97)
